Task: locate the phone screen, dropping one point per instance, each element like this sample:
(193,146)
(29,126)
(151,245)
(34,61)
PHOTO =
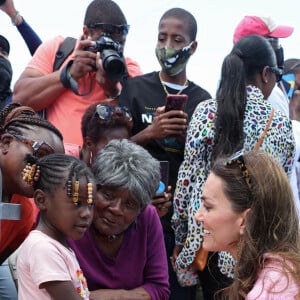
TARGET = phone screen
(175,102)
(164,177)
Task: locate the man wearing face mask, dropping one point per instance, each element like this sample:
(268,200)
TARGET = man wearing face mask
(5,73)
(163,133)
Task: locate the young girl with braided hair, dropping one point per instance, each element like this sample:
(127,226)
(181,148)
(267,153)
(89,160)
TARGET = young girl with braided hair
(64,193)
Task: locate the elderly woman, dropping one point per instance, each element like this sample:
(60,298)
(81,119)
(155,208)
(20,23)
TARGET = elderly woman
(123,254)
(102,123)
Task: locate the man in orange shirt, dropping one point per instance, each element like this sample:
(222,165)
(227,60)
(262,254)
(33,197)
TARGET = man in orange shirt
(88,75)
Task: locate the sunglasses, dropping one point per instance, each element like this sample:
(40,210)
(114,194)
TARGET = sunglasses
(278,73)
(238,158)
(39,149)
(111,28)
(104,112)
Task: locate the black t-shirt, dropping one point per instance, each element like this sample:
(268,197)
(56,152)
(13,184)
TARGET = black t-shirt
(143,95)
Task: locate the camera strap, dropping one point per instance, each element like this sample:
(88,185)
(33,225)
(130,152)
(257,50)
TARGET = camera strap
(63,52)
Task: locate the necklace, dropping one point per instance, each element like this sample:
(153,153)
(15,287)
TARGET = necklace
(110,238)
(165,88)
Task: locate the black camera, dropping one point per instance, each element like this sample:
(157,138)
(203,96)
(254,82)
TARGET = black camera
(112,57)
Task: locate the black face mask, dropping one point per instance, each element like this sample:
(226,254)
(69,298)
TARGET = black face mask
(278,51)
(5,77)
(279,57)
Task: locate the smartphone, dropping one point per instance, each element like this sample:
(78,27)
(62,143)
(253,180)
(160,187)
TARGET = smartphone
(175,102)
(164,177)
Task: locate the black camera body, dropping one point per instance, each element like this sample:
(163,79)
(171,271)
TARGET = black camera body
(112,57)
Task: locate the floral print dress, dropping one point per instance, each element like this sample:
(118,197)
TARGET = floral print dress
(279,142)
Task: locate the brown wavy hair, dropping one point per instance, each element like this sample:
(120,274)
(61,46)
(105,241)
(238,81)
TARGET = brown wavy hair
(272,224)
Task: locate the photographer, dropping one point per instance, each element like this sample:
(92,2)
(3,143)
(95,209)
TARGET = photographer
(84,77)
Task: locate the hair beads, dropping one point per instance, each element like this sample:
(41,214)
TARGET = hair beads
(69,188)
(90,193)
(31,173)
(59,171)
(75,191)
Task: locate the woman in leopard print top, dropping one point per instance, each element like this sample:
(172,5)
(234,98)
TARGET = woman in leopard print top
(234,120)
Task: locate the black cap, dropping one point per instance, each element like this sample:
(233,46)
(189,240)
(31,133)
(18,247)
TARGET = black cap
(4,44)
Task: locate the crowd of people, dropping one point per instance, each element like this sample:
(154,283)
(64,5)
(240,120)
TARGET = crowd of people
(82,149)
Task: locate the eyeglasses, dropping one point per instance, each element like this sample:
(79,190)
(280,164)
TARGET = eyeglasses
(278,73)
(239,159)
(39,149)
(104,112)
(111,28)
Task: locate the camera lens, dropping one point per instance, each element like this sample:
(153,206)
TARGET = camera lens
(113,64)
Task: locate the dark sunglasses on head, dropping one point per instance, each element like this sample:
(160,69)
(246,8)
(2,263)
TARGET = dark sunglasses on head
(39,149)
(238,158)
(104,112)
(278,73)
(111,28)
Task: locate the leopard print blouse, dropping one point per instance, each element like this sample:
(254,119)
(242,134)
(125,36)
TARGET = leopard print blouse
(279,142)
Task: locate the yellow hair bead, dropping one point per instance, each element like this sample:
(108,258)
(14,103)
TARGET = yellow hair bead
(90,193)
(31,173)
(76,191)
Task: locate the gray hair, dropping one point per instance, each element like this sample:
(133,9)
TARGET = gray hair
(126,165)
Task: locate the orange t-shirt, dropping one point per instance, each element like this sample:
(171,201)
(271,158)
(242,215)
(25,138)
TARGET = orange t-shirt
(67,109)
(14,232)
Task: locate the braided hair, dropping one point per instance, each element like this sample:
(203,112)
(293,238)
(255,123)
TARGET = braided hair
(14,117)
(54,169)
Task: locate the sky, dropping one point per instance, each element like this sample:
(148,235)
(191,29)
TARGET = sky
(216,21)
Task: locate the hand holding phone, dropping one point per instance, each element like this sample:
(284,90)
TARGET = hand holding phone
(175,102)
(164,177)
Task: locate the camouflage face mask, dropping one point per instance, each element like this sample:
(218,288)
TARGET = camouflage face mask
(173,61)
